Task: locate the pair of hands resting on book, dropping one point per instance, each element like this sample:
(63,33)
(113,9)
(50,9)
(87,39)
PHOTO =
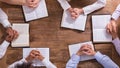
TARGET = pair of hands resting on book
(75,12)
(34,54)
(112,28)
(11,34)
(86,50)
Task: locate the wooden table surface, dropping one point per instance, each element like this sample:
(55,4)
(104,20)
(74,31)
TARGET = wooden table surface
(46,32)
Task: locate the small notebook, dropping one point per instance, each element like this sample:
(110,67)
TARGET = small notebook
(35,13)
(43,51)
(99,23)
(78,24)
(75,47)
(23,38)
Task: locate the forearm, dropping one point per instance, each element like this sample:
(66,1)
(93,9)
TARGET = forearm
(116,13)
(116,43)
(48,64)
(17,62)
(105,61)
(73,62)
(64,4)
(3,48)
(95,6)
(14,2)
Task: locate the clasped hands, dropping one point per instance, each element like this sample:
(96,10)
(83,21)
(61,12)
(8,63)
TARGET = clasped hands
(86,49)
(34,54)
(32,3)
(75,12)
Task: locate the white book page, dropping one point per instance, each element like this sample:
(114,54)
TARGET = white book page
(23,38)
(35,13)
(43,51)
(21,28)
(75,47)
(41,10)
(100,21)
(21,41)
(78,23)
(100,35)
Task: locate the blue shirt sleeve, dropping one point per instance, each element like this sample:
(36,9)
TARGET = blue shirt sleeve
(105,61)
(73,62)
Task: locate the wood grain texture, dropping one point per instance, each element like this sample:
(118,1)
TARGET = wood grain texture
(46,32)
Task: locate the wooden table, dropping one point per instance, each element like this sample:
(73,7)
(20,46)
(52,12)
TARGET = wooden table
(47,32)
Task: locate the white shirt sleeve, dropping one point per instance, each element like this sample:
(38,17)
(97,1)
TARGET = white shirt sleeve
(4,19)
(48,64)
(17,62)
(95,6)
(116,13)
(64,4)
(3,48)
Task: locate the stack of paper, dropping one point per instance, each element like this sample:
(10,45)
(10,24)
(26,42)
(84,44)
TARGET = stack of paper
(35,13)
(78,24)
(99,23)
(23,38)
(73,49)
(44,52)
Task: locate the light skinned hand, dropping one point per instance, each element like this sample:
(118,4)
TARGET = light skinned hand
(76,12)
(12,33)
(80,51)
(32,55)
(40,57)
(9,38)
(88,50)
(112,28)
(32,3)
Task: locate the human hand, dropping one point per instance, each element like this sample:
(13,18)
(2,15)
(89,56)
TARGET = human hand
(112,28)
(86,49)
(9,38)
(32,55)
(40,57)
(32,3)
(75,12)
(12,33)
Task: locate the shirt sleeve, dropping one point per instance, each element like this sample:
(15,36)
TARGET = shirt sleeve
(73,62)
(95,6)
(116,13)
(64,4)
(17,62)
(4,19)
(48,64)
(105,61)
(116,43)
(3,48)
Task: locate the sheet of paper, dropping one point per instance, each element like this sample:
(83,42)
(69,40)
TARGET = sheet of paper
(35,13)
(43,51)
(99,23)
(23,38)
(68,22)
(75,47)
(100,35)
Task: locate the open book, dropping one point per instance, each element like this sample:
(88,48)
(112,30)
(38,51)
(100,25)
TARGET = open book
(75,47)
(23,38)
(68,22)
(99,23)
(35,13)
(43,51)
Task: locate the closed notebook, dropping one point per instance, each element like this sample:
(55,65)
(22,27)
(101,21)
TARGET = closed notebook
(44,52)
(99,23)
(23,38)
(35,13)
(78,24)
(73,49)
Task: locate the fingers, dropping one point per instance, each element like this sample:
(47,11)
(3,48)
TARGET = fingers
(33,3)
